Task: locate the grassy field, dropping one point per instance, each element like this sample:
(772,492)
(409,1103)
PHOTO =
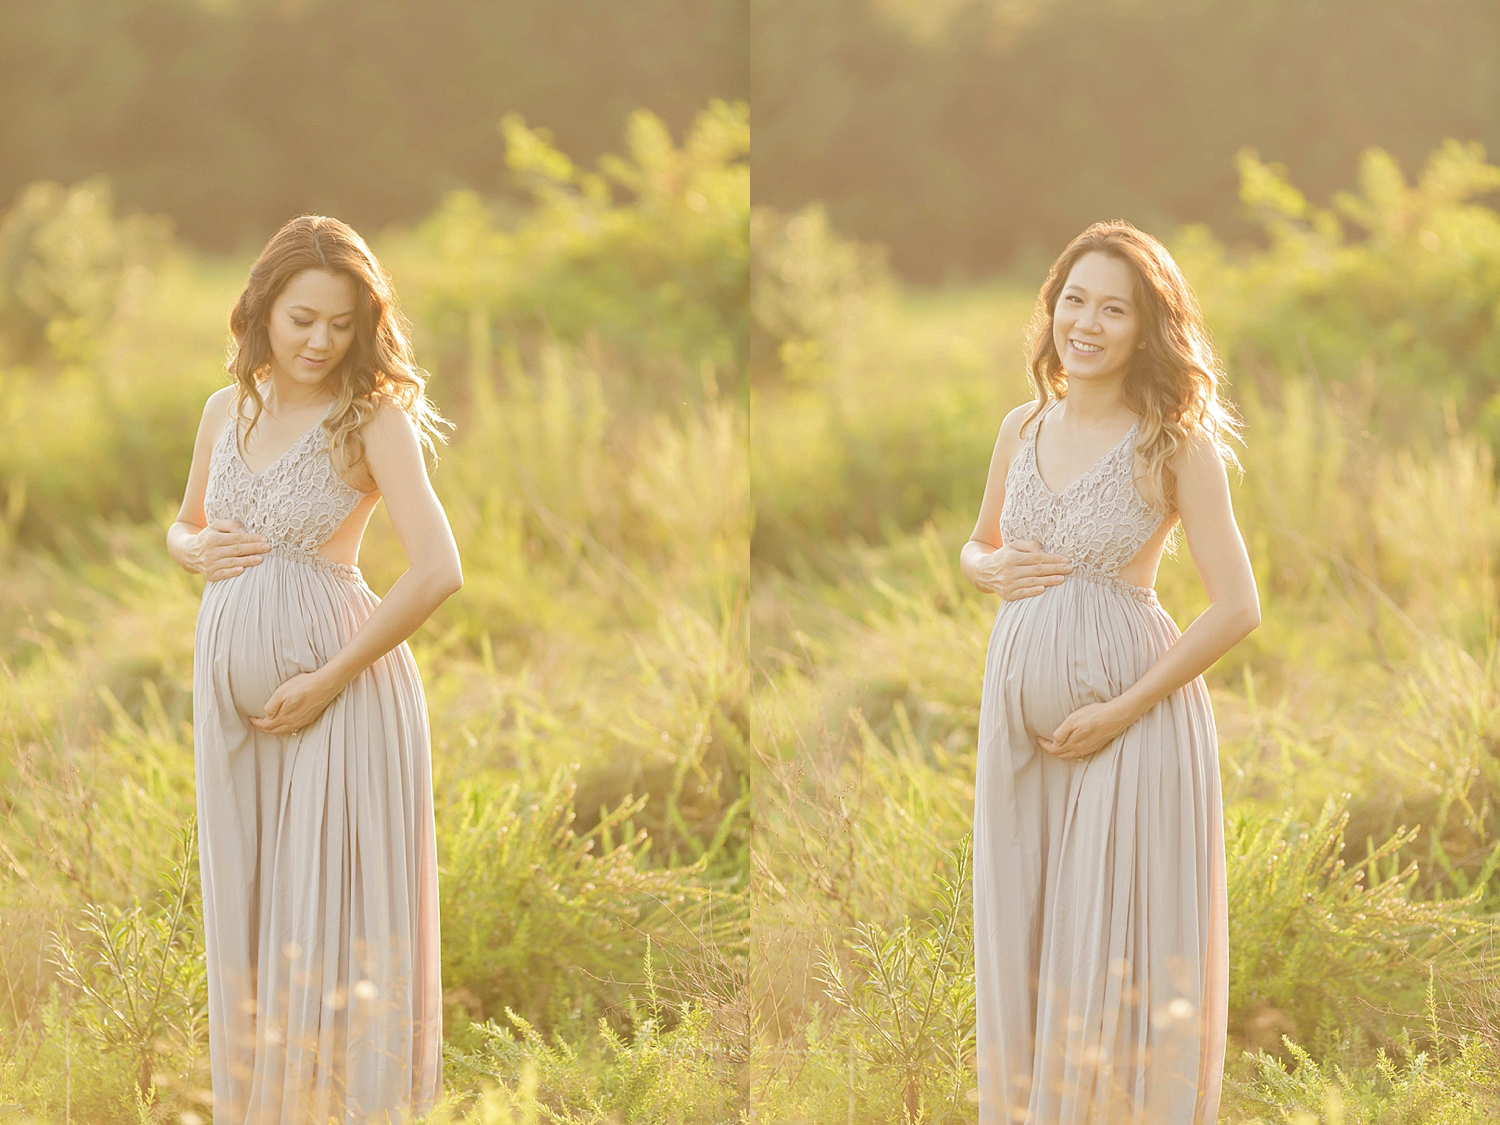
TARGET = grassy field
(704,713)
(1358,726)
(588,691)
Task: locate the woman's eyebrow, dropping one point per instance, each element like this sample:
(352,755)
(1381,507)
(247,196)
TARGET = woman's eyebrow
(1106,297)
(309,308)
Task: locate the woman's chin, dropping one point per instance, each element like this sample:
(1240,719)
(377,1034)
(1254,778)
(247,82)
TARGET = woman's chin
(1088,373)
(301,375)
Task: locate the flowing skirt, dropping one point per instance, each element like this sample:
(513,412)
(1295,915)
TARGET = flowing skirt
(1100,918)
(318,860)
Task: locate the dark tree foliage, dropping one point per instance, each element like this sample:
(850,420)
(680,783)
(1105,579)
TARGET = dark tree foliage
(963,133)
(229,116)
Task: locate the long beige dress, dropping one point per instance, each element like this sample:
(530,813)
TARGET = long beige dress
(1100,920)
(317,850)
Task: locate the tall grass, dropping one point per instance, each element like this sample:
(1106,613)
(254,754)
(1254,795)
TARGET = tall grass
(704,714)
(1357,725)
(588,693)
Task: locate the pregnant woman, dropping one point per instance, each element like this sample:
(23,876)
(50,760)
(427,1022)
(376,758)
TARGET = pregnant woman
(1100,924)
(315,816)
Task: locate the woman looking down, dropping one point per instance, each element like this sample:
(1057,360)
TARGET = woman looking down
(315,815)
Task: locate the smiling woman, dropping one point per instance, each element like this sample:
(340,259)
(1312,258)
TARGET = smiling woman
(1095,324)
(317,844)
(307,338)
(1100,925)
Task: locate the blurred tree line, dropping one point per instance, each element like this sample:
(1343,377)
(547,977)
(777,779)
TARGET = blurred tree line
(228,116)
(1380,310)
(638,269)
(964,134)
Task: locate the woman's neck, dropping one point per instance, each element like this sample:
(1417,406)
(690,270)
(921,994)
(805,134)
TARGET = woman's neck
(281,395)
(1088,403)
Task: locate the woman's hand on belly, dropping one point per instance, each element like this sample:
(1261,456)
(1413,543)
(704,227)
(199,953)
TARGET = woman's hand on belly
(1086,731)
(296,703)
(224,549)
(1020,569)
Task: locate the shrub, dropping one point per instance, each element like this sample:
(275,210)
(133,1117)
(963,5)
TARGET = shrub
(666,1067)
(1394,287)
(543,920)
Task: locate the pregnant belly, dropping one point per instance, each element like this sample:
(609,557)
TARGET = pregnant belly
(270,623)
(1072,645)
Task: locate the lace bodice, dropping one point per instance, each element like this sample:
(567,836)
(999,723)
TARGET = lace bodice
(1100,521)
(297,501)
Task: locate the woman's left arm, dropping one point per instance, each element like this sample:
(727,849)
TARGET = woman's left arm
(393,457)
(1233,608)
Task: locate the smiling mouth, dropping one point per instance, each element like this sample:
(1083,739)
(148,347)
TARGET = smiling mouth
(1089,349)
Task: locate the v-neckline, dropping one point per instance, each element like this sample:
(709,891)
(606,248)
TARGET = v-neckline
(1037,468)
(239,449)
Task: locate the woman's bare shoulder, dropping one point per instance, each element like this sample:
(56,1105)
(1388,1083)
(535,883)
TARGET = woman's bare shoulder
(220,400)
(389,423)
(216,411)
(1201,469)
(391,443)
(1202,453)
(1016,417)
(1008,442)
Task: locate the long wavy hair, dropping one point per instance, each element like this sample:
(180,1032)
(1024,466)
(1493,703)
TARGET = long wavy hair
(1172,383)
(379,365)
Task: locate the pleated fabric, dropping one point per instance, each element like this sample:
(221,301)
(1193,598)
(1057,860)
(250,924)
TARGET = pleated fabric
(317,850)
(1100,916)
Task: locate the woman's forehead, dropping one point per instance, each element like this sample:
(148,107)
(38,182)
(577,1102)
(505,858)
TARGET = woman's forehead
(319,290)
(1103,275)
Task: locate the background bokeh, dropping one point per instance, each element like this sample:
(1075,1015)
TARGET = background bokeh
(228,116)
(1319,171)
(561,193)
(965,133)
(704,712)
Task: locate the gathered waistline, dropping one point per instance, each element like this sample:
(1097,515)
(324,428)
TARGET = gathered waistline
(346,571)
(1143,594)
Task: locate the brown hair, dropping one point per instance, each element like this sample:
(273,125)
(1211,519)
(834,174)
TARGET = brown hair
(1173,383)
(379,365)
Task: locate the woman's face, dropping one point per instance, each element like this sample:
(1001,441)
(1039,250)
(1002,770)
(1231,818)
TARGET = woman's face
(312,325)
(1097,325)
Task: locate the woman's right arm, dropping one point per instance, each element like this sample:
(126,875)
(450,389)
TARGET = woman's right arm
(220,549)
(1012,570)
